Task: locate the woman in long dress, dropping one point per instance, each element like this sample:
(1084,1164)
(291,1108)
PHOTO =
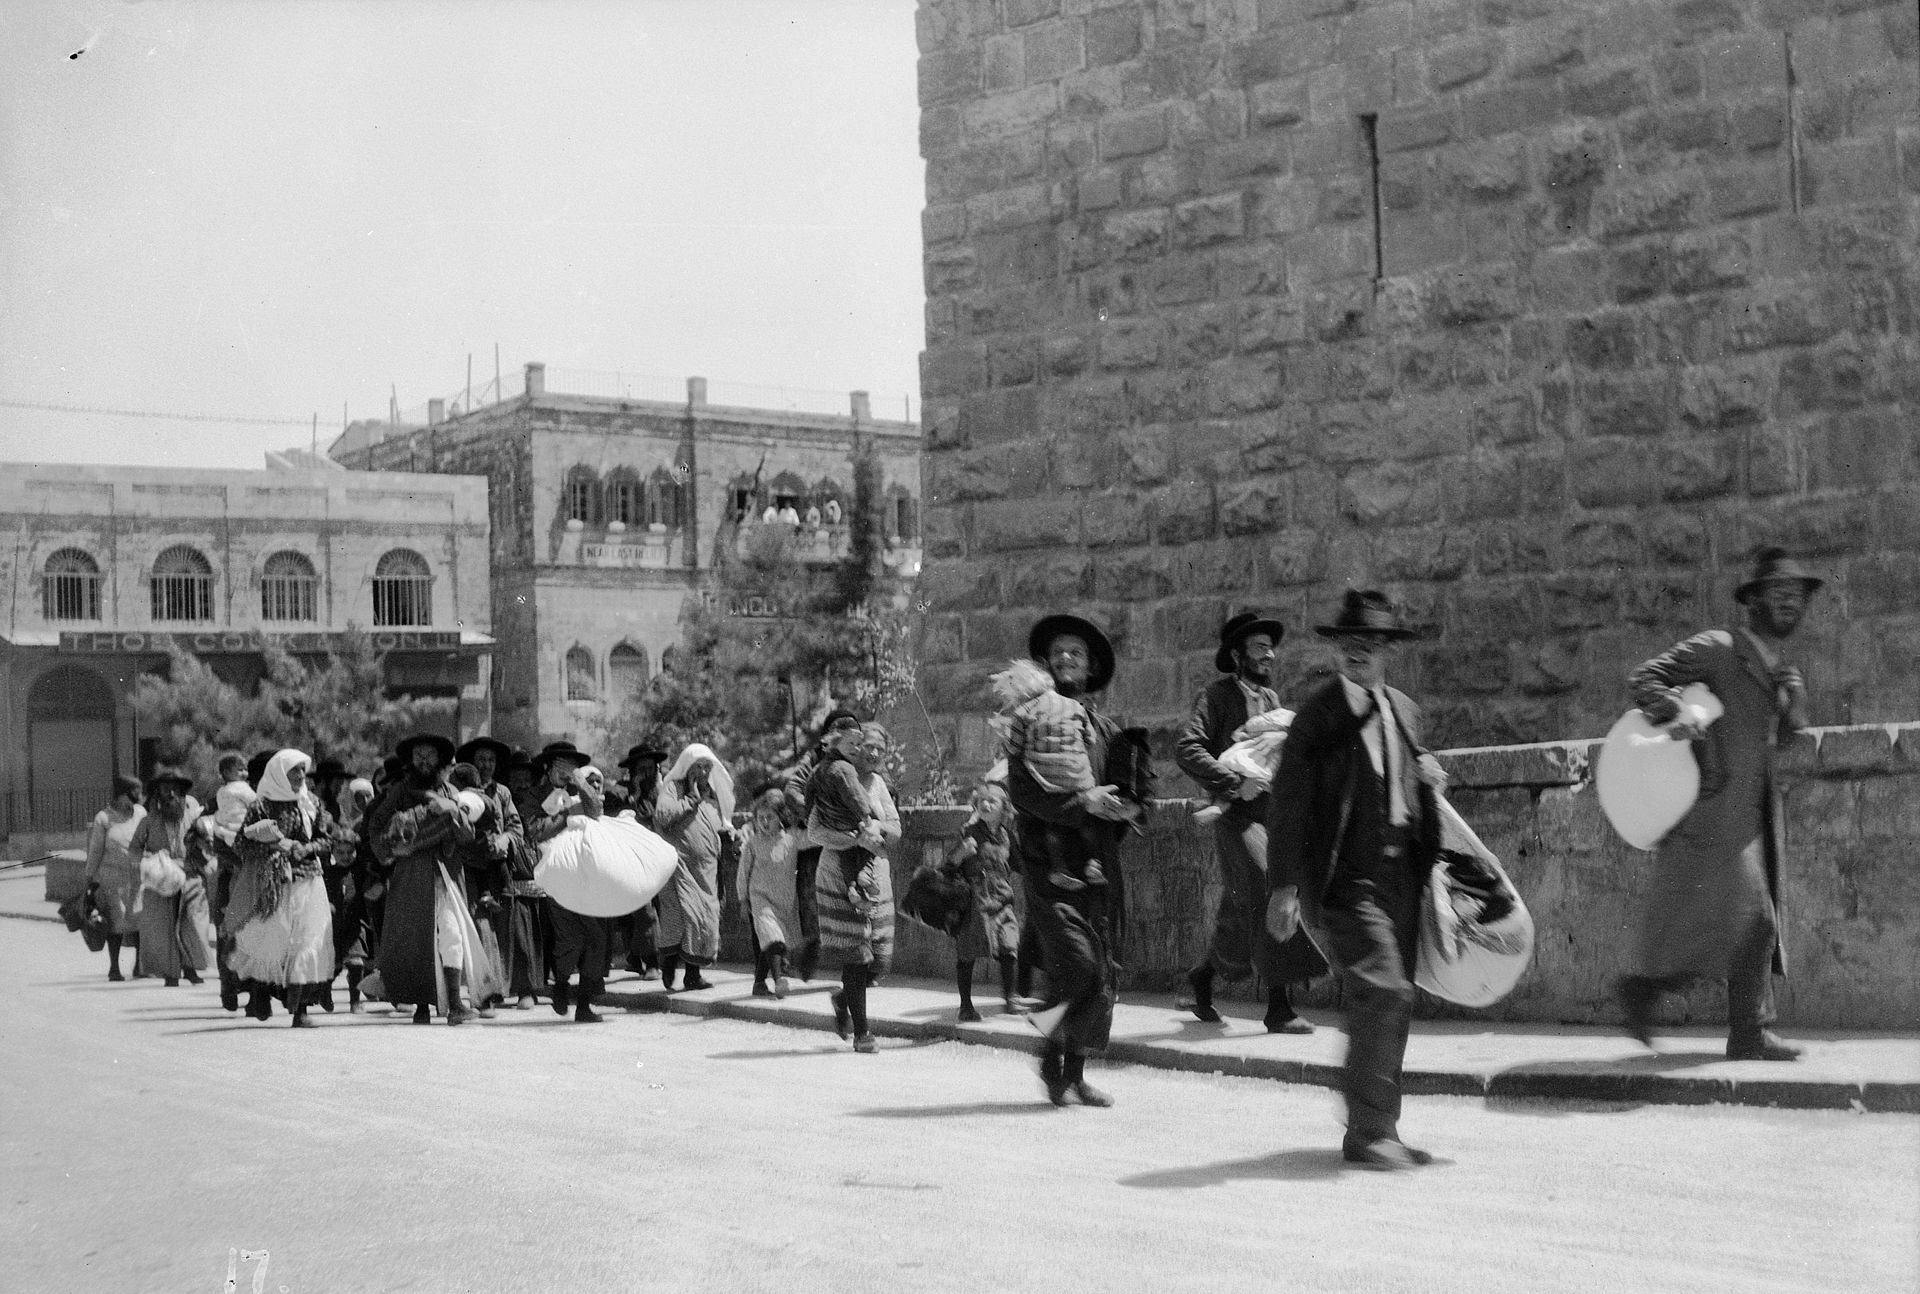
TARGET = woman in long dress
(172,944)
(285,939)
(695,814)
(113,874)
(853,888)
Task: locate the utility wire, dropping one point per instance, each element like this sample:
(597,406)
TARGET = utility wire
(146,413)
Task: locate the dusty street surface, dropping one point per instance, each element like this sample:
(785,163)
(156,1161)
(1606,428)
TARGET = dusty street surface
(147,1134)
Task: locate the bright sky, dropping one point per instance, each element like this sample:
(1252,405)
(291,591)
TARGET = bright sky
(271,209)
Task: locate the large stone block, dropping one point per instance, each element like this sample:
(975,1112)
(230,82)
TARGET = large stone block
(1392,494)
(1006,525)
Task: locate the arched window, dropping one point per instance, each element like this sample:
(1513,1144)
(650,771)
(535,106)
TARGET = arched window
(70,586)
(626,671)
(624,503)
(582,496)
(663,499)
(289,588)
(402,589)
(580,680)
(182,585)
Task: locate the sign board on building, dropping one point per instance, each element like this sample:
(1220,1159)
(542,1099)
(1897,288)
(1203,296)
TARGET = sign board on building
(242,640)
(623,554)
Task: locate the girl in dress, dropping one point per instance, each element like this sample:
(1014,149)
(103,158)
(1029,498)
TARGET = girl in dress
(113,875)
(988,859)
(284,938)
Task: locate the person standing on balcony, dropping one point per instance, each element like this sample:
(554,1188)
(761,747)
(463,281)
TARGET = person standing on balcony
(113,873)
(1352,832)
(1240,946)
(1713,908)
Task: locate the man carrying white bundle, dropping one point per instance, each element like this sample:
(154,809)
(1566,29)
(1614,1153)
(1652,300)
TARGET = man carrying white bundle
(1713,909)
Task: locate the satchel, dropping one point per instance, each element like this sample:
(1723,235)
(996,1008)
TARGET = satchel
(1476,935)
(939,899)
(81,914)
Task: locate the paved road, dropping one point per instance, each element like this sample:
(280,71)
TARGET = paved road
(147,1133)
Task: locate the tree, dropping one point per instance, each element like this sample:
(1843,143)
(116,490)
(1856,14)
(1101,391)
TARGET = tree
(336,706)
(776,644)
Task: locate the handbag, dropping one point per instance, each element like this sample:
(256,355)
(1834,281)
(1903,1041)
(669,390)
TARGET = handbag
(83,915)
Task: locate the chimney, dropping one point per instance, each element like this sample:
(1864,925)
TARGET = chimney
(436,412)
(862,407)
(536,379)
(696,392)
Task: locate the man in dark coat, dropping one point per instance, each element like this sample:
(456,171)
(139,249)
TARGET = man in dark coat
(1352,832)
(580,943)
(416,828)
(1240,945)
(639,793)
(1713,909)
(1069,846)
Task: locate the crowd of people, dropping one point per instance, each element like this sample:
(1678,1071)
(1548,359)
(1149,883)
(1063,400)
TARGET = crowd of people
(419,883)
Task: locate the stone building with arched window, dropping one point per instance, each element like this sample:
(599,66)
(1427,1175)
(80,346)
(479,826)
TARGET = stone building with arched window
(111,565)
(609,512)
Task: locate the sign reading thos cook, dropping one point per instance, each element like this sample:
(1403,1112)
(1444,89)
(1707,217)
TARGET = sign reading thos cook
(233,640)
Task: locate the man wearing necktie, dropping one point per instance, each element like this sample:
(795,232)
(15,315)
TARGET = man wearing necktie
(1713,909)
(1351,835)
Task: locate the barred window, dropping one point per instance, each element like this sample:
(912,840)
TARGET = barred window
(182,585)
(626,671)
(582,496)
(289,588)
(580,680)
(663,500)
(402,589)
(70,586)
(624,503)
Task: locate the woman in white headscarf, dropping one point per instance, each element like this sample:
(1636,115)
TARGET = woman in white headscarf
(695,814)
(285,941)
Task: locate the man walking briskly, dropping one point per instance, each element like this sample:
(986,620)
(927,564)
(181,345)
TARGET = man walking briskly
(1713,910)
(1240,944)
(1351,834)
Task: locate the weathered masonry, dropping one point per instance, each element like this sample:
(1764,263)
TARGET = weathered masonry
(1540,314)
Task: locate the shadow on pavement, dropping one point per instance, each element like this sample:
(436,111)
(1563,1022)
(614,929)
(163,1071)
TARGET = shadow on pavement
(1286,1165)
(824,1049)
(953,1111)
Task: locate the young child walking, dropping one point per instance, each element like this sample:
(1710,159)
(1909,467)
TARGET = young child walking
(765,885)
(988,858)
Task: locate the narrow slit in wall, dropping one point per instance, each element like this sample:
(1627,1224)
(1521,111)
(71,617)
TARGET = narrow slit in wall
(1370,127)
(1793,125)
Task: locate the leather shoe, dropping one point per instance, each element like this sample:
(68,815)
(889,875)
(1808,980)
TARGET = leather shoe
(1766,1045)
(1291,1024)
(1384,1155)
(968,1015)
(1637,1002)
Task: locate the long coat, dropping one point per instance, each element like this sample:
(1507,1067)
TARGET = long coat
(1310,823)
(1703,895)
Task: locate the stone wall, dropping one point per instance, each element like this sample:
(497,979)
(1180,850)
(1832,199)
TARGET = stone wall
(1540,315)
(1852,889)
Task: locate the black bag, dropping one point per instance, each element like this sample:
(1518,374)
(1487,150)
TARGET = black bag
(83,915)
(1129,767)
(938,898)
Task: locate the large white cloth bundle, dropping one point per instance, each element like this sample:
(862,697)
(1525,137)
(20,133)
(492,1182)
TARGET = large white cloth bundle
(604,867)
(159,873)
(1476,935)
(1647,779)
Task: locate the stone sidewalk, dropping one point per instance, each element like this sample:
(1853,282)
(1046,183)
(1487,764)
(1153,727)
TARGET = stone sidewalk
(1496,1061)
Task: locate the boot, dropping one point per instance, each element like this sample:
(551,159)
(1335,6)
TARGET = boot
(1076,1081)
(669,967)
(423,1014)
(229,991)
(191,976)
(325,996)
(1200,999)
(695,981)
(963,979)
(561,1000)
(458,1012)
(583,1012)
(842,1018)
(1053,1059)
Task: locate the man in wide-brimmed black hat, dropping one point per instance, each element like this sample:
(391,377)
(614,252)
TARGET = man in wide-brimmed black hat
(1069,842)
(416,831)
(516,913)
(580,943)
(1240,946)
(1352,831)
(637,792)
(1713,910)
